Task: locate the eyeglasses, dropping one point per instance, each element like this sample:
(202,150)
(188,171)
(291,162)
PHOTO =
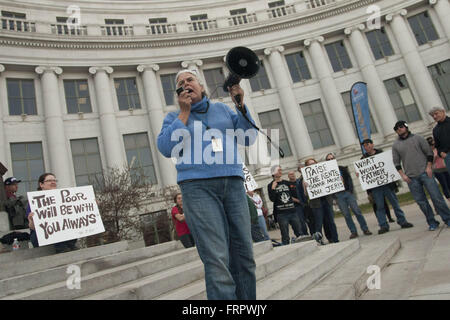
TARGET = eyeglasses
(51,180)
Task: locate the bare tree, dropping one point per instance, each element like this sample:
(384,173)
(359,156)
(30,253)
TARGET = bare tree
(121,193)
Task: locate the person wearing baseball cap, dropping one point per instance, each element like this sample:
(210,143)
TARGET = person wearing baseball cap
(413,159)
(11,187)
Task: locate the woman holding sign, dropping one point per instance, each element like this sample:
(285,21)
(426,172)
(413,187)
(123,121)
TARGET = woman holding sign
(323,214)
(47,181)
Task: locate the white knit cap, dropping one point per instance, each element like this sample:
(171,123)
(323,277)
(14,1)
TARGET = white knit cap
(193,72)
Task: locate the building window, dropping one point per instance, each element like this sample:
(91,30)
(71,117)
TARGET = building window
(27,164)
(158,25)
(156,227)
(86,162)
(140,158)
(402,99)
(260,81)
(338,56)
(127,93)
(441,76)
(271,120)
(168,85)
(423,28)
(77,96)
(214,80)
(298,67)
(199,22)
(116,27)
(21,97)
(379,43)
(348,106)
(240,16)
(317,124)
(13,21)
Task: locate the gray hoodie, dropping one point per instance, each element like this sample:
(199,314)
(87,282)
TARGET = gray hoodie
(413,152)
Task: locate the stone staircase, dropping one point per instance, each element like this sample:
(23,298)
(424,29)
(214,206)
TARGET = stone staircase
(168,271)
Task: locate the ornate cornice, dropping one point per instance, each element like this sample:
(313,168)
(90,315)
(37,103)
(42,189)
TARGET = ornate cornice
(310,41)
(287,22)
(94,70)
(143,67)
(188,63)
(390,16)
(359,27)
(51,69)
(269,51)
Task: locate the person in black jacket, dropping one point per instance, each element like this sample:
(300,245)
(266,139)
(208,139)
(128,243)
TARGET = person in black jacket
(283,204)
(346,200)
(441,133)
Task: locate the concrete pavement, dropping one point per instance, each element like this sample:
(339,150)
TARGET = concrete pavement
(421,267)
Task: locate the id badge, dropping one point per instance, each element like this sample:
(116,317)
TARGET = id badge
(217,145)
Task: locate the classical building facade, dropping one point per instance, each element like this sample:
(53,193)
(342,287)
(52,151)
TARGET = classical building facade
(85,85)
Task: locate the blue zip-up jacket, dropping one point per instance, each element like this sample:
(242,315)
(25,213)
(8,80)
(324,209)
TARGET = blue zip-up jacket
(191,144)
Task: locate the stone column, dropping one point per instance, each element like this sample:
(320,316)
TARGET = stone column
(112,140)
(421,77)
(334,104)
(375,87)
(3,156)
(442,8)
(59,151)
(168,174)
(302,146)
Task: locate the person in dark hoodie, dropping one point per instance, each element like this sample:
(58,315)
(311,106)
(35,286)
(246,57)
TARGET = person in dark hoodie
(413,159)
(441,133)
(284,208)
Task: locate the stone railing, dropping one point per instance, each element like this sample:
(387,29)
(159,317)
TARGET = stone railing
(19,25)
(69,30)
(162,29)
(117,30)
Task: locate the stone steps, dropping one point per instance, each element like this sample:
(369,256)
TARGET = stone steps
(291,280)
(266,264)
(349,281)
(160,283)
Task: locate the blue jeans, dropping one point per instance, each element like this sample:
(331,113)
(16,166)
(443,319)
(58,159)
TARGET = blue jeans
(263,226)
(216,211)
(378,194)
(417,190)
(324,214)
(284,219)
(444,181)
(301,217)
(345,201)
(447,161)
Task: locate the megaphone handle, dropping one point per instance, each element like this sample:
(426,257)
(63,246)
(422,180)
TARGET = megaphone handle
(238,100)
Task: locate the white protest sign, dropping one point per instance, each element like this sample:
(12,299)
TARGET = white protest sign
(250,183)
(322,179)
(65,214)
(376,171)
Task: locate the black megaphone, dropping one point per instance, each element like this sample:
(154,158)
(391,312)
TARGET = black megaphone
(243,63)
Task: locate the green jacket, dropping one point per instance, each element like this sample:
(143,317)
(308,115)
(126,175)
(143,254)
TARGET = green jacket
(253,211)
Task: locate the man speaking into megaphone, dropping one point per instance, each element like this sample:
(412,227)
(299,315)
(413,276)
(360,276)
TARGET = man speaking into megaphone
(201,136)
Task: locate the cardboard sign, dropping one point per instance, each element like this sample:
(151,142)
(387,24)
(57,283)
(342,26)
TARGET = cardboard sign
(322,179)
(249,181)
(65,214)
(376,170)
